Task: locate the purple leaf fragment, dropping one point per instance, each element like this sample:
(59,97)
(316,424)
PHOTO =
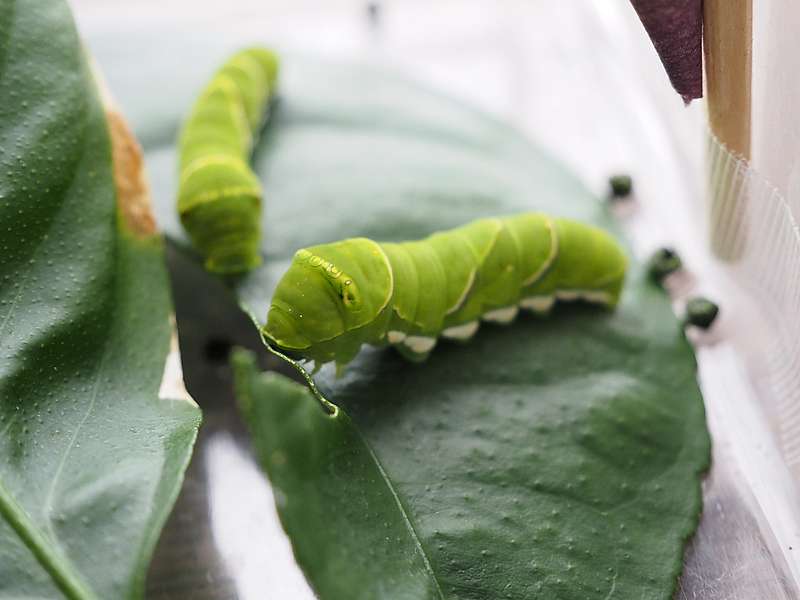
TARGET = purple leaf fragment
(676,30)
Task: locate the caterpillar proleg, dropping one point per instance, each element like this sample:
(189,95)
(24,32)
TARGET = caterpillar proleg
(336,297)
(219,196)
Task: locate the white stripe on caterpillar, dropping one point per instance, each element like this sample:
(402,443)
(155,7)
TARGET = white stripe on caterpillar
(538,304)
(461,332)
(501,315)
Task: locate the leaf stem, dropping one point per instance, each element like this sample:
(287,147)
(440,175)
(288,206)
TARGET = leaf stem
(55,565)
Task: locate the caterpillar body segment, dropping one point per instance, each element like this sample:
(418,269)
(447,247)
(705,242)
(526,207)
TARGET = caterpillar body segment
(219,196)
(336,297)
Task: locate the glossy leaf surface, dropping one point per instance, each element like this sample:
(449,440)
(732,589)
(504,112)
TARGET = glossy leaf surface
(556,458)
(91,458)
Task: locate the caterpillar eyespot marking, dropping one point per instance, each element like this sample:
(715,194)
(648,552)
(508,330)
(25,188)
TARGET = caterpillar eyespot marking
(219,196)
(408,294)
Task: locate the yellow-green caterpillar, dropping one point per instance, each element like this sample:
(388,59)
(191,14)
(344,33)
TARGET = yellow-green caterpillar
(219,196)
(336,297)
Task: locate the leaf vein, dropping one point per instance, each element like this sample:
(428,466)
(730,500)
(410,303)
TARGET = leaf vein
(406,519)
(48,557)
(47,508)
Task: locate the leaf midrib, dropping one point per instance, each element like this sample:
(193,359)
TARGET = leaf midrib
(43,548)
(404,514)
(35,540)
(51,561)
(57,566)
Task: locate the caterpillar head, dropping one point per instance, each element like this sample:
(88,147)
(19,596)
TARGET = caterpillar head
(329,301)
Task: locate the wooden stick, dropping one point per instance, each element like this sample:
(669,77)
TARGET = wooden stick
(728,49)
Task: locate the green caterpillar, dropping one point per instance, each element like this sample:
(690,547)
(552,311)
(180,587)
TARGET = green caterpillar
(219,196)
(336,297)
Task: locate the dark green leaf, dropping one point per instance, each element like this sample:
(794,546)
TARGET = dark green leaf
(557,458)
(318,460)
(91,458)
(491,470)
